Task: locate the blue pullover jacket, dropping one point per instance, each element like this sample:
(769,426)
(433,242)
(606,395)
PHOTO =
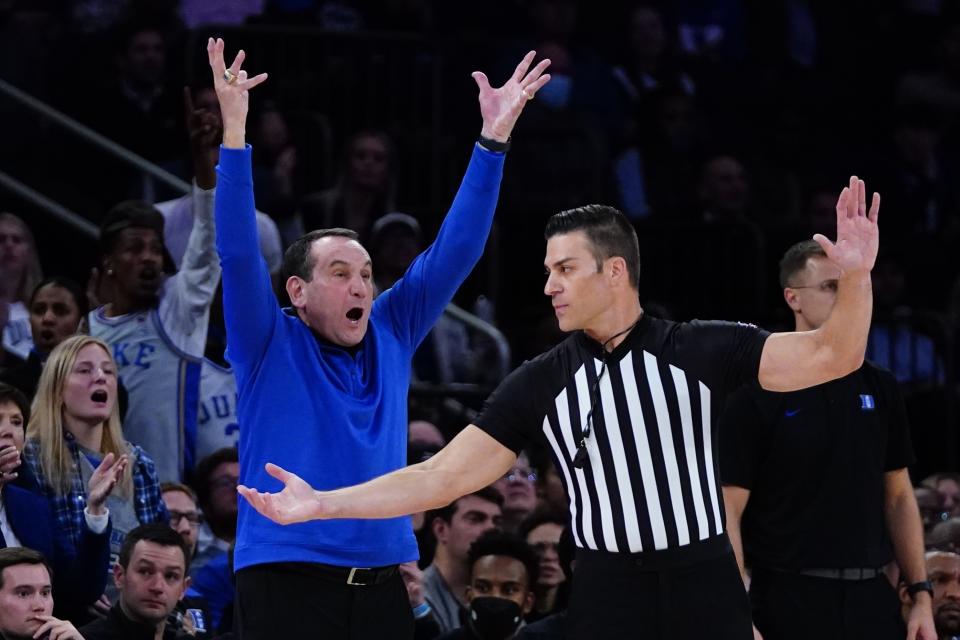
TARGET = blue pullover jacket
(333,418)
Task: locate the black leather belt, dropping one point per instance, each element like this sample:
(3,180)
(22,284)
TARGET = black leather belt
(356,576)
(857,573)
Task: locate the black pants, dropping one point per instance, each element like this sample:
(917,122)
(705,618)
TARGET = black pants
(692,592)
(788,606)
(295,600)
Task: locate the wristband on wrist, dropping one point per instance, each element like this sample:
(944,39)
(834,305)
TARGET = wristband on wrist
(493,145)
(917,587)
(421,610)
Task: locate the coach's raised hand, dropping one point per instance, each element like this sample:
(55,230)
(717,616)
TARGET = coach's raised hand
(501,107)
(232,86)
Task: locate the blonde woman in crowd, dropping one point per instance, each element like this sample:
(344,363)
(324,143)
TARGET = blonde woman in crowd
(75,448)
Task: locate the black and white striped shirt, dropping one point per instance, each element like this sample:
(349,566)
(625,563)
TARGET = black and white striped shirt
(652,479)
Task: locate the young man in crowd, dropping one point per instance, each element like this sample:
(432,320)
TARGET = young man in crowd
(503,571)
(456,527)
(26,598)
(151,578)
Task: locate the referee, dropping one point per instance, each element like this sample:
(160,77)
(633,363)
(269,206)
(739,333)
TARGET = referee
(628,405)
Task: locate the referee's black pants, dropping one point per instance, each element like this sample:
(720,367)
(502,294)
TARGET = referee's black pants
(790,606)
(689,593)
(288,600)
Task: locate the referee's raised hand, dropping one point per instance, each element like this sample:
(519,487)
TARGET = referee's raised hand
(858,236)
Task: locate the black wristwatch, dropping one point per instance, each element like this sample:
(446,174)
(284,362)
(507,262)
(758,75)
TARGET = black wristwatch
(917,587)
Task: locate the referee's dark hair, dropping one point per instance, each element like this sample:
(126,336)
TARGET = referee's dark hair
(608,230)
(297,259)
(500,543)
(795,260)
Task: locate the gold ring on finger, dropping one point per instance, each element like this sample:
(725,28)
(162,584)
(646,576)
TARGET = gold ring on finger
(229,76)
(527,95)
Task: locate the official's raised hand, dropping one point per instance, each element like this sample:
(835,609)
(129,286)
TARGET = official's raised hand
(501,107)
(232,86)
(296,503)
(858,235)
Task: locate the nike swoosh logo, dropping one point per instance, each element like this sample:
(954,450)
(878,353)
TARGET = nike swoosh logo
(791,412)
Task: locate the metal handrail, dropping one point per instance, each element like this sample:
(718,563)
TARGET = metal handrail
(478,324)
(68,217)
(86,133)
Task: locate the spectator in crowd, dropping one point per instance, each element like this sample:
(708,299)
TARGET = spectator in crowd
(185,516)
(215,481)
(20,272)
(519,489)
(945,536)
(455,528)
(157,326)
(947,485)
(503,570)
(365,189)
(424,440)
(449,353)
(649,62)
(26,519)
(185,519)
(26,598)
(151,578)
(931,507)
(816,489)
(56,307)
(542,531)
(551,493)
(75,448)
(943,571)
(724,190)
(314,369)
(554,626)
(274,164)
(894,343)
(139,111)
(937,88)
(205,130)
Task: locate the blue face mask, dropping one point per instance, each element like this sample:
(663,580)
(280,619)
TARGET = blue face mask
(494,618)
(556,93)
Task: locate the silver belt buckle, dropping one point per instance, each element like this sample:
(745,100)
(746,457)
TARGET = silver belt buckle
(353,572)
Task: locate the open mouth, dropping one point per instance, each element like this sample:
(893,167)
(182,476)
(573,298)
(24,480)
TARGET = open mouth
(99,396)
(46,335)
(354,315)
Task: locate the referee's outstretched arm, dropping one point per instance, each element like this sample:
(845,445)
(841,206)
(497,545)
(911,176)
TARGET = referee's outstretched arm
(802,359)
(471,461)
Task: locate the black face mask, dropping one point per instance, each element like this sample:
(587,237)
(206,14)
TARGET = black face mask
(494,618)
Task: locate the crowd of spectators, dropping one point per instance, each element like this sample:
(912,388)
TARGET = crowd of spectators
(702,121)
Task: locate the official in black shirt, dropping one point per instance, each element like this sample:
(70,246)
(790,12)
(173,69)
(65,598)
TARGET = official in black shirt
(627,405)
(816,487)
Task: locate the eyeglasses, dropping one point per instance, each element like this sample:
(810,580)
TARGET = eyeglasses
(519,474)
(193,517)
(827,286)
(225,482)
